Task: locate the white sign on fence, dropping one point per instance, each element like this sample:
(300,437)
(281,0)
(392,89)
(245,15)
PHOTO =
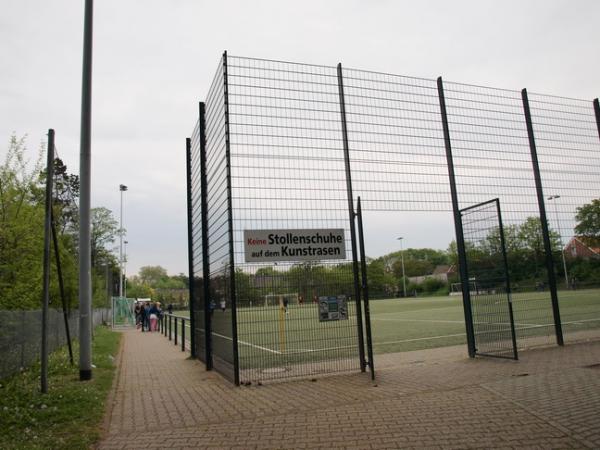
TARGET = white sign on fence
(294,245)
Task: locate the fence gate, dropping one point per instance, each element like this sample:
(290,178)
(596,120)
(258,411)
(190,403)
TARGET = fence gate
(489,281)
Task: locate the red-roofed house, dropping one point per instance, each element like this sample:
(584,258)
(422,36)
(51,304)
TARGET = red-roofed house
(576,248)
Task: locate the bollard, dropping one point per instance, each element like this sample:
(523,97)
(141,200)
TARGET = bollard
(175,330)
(183,335)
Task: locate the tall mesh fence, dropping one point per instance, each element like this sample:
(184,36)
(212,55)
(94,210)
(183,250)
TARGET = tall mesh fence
(492,158)
(275,128)
(21,331)
(566,134)
(198,301)
(288,173)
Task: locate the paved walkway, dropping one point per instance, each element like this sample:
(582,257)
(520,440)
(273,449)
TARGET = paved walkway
(426,399)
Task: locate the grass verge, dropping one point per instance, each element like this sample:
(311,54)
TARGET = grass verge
(69,416)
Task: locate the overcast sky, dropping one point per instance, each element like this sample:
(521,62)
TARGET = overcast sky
(154,60)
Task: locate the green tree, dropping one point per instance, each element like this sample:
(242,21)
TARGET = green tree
(382,283)
(418,261)
(104,232)
(153,275)
(21,230)
(136,288)
(588,222)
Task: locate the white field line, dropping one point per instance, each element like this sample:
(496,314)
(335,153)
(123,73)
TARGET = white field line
(519,326)
(417,320)
(248,344)
(457,321)
(583,320)
(419,339)
(419,310)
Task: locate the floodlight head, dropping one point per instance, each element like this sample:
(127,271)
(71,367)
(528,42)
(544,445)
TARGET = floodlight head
(552,197)
(122,187)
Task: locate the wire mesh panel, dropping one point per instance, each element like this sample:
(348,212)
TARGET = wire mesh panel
(398,160)
(489,285)
(492,159)
(197,277)
(568,148)
(396,142)
(20,344)
(287,167)
(222,336)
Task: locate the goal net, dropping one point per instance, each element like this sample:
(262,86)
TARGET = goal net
(280,299)
(456,288)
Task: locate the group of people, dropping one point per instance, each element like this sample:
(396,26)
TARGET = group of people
(147,315)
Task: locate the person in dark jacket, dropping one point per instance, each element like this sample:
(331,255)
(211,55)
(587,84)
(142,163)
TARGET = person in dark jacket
(153,317)
(143,316)
(138,315)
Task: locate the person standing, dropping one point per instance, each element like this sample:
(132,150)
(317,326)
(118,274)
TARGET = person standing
(143,317)
(147,316)
(138,314)
(153,317)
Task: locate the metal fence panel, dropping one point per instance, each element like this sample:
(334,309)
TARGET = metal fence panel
(20,335)
(219,229)
(568,148)
(198,256)
(288,172)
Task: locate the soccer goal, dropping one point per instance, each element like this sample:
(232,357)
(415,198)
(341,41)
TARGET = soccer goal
(280,299)
(456,288)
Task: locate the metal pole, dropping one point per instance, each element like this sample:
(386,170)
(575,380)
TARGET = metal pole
(543,219)
(597,113)
(352,216)
(61,288)
(402,261)
(365,288)
(175,336)
(183,335)
(205,243)
(460,241)
(508,287)
(190,212)
(122,188)
(85,251)
(562,249)
(46,262)
(125,269)
(236,365)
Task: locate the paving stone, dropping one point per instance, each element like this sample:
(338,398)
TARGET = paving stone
(428,399)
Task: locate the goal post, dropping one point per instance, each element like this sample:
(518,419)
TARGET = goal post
(280,299)
(456,288)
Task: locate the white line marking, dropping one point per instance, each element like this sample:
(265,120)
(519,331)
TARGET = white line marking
(248,344)
(420,339)
(419,320)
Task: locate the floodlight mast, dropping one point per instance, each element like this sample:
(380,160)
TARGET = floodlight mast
(85,250)
(122,188)
(125,269)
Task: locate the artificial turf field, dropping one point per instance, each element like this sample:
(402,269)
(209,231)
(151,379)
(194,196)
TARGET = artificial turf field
(268,335)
